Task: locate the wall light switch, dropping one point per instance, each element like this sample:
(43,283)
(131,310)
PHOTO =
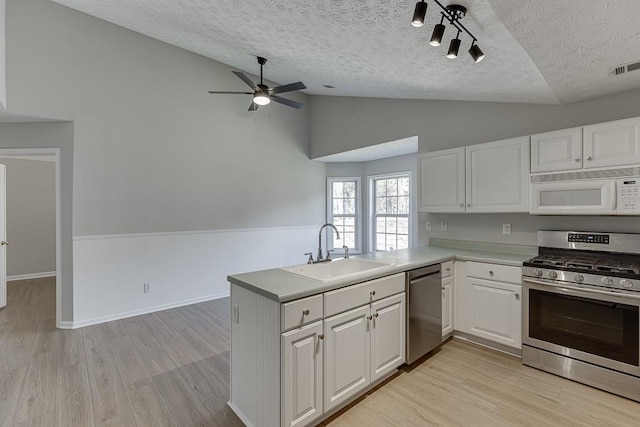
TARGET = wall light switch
(506,228)
(147,288)
(443,226)
(428,226)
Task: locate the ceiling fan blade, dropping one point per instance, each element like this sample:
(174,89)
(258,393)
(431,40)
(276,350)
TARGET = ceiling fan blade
(231,93)
(245,79)
(253,107)
(288,88)
(287,102)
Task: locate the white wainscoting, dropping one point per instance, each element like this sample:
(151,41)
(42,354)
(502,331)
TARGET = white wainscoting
(182,268)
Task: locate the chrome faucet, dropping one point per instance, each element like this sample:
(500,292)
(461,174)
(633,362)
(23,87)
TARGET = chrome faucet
(320,257)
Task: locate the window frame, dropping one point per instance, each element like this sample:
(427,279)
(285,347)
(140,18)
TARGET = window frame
(371,232)
(358,215)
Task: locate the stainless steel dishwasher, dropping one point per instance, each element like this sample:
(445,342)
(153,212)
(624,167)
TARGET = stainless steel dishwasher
(424,314)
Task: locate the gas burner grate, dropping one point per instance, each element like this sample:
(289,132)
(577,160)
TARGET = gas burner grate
(617,267)
(549,260)
(584,263)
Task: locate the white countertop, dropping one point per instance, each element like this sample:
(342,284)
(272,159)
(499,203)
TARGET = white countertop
(282,286)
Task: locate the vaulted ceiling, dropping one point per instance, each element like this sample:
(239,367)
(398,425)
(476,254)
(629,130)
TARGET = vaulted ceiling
(543,51)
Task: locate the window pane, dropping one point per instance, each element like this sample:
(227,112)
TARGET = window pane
(350,221)
(392,205)
(403,186)
(381,187)
(337,243)
(380,242)
(338,207)
(338,189)
(349,240)
(403,205)
(391,242)
(381,205)
(403,241)
(380,225)
(391,225)
(392,187)
(350,189)
(403,225)
(350,206)
(338,221)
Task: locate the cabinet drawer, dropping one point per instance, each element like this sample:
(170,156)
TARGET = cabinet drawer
(302,311)
(447,268)
(363,293)
(500,273)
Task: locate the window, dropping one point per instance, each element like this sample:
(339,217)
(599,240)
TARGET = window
(343,211)
(390,210)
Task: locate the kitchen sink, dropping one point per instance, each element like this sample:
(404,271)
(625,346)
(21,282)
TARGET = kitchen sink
(339,269)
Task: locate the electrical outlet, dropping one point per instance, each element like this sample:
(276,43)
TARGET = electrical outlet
(147,288)
(443,226)
(506,228)
(235,313)
(428,226)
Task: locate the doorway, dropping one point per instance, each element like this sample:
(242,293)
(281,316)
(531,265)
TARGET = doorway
(37,253)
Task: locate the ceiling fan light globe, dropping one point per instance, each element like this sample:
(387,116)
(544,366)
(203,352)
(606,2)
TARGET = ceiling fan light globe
(261,99)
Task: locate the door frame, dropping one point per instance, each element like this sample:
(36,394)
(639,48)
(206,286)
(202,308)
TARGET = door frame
(34,152)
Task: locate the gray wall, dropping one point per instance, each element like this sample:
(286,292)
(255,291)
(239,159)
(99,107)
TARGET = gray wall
(52,135)
(31,216)
(341,124)
(153,151)
(3,70)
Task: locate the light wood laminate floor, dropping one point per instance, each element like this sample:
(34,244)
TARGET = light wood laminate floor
(171,368)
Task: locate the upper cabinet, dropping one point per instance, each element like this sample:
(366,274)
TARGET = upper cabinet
(442,183)
(602,145)
(556,151)
(498,176)
(490,177)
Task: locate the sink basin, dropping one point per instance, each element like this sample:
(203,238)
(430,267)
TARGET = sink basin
(338,269)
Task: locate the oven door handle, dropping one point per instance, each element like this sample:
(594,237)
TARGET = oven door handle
(582,289)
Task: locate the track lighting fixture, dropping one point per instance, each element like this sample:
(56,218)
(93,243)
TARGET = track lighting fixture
(438,32)
(419,14)
(452,13)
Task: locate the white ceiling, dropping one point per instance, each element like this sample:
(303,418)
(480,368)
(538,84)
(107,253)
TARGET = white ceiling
(543,51)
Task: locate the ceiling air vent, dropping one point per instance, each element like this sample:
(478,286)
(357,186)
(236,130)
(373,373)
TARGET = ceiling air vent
(625,68)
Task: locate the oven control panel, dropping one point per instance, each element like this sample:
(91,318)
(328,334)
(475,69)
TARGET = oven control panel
(628,197)
(602,239)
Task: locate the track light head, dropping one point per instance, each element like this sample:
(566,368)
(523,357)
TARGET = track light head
(419,14)
(436,37)
(454,47)
(476,53)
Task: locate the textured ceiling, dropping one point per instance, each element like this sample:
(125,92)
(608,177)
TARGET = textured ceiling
(537,52)
(399,147)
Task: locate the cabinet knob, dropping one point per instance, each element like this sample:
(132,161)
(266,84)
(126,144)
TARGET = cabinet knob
(589,158)
(517,297)
(305,313)
(577,159)
(321,336)
(468,205)
(373,293)
(375,315)
(4,243)
(491,273)
(462,205)
(369,317)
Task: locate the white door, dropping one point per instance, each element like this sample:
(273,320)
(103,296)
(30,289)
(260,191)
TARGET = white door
(556,151)
(347,355)
(387,335)
(447,306)
(3,235)
(302,375)
(495,311)
(498,176)
(441,178)
(612,143)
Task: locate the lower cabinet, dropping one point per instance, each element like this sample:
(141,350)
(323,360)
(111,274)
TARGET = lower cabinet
(362,346)
(302,352)
(495,311)
(447,305)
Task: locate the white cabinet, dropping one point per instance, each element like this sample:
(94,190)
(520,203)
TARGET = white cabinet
(490,177)
(447,298)
(387,335)
(302,351)
(442,183)
(361,346)
(607,144)
(556,151)
(612,144)
(497,176)
(348,351)
(496,311)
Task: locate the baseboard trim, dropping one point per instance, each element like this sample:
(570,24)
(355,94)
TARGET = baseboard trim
(147,310)
(239,413)
(65,324)
(31,276)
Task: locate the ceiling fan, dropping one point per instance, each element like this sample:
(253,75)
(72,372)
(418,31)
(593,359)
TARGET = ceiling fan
(263,94)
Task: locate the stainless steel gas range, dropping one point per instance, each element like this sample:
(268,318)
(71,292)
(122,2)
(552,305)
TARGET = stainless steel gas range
(581,309)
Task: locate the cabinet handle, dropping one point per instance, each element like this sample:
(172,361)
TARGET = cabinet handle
(491,273)
(375,315)
(305,313)
(462,205)
(373,293)
(517,297)
(589,158)
(468,205)
(577,159)
(369,317)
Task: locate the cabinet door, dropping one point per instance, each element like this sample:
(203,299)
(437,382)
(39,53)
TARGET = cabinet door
(447,305)
(498,176)
(441,180)
(387,335)
(612,143)
(556,151)
(347,355)
(302,375)
(495,311)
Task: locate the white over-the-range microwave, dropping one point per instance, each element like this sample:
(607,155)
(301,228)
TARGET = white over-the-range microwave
(601,192)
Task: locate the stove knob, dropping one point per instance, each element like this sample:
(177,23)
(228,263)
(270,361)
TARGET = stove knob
(626,283)
(607,281)
(578,277)
(537,272)
(553,274)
